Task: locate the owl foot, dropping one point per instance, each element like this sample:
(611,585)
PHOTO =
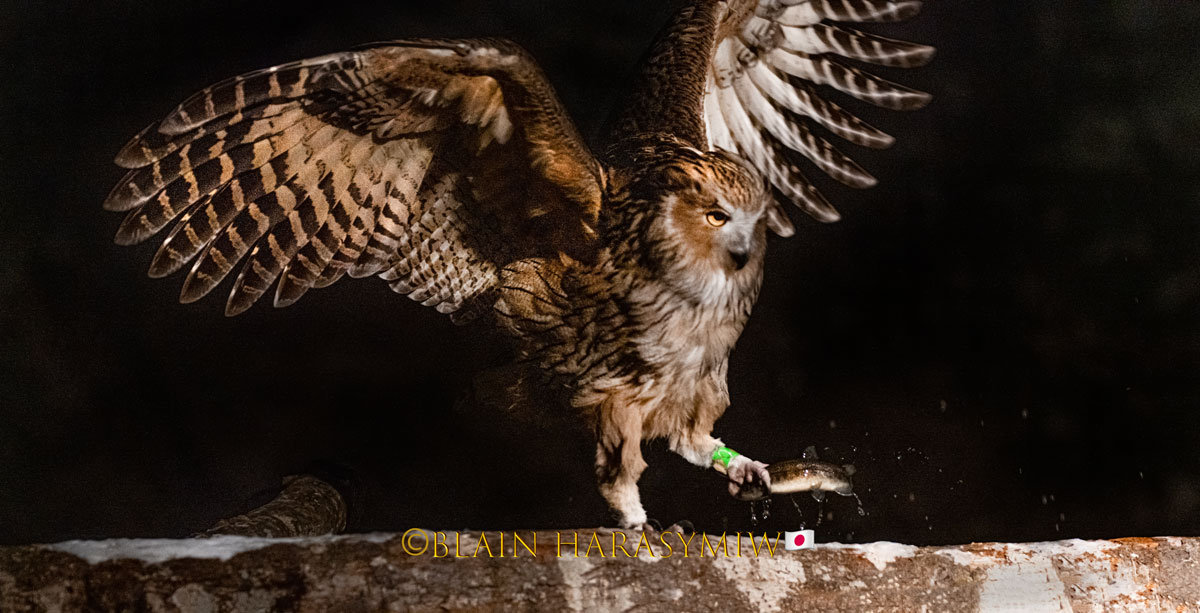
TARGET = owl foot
(747,476)
(633,519)
(653,526)
(682,526)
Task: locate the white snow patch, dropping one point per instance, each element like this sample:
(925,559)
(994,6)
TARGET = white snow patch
(1074,547)
(965,558)
(155,551)
(1032,585)
(585,595)
(1023,576)
(1120,587)
(985,555)
(573,571)
(878,554)
(766,581)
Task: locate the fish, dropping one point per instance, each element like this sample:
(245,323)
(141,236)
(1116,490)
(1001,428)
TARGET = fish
(791,476)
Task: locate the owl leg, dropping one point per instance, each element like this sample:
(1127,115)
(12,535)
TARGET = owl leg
(700,448)
(619,465)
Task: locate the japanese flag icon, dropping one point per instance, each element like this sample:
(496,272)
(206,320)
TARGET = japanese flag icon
(801,539)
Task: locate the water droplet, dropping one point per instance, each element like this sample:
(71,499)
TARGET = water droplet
(766,508)
(1024,413)
(942,405)
(861,511)
(832,424)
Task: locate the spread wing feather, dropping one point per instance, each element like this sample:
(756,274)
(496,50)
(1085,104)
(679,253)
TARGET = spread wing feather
(760,102)
(430,162)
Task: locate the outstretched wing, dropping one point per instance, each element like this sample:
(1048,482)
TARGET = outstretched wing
(431,163)
(760,100)
(747,75)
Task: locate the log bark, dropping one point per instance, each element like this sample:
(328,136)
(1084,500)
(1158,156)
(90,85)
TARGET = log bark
(399,572)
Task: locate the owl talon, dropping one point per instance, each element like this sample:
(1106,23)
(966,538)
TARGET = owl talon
(654,527)
(682,526)
(747,477)
(651,526)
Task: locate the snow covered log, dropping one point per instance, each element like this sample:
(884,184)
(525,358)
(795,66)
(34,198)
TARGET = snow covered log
(594,570)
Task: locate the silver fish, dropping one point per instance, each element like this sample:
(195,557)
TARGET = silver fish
(791,476)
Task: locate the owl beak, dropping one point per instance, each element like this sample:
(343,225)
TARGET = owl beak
(739,258)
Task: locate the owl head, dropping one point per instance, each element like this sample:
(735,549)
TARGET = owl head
(708,215)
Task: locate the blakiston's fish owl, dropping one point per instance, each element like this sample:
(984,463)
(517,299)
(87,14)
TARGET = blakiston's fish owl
(624,272)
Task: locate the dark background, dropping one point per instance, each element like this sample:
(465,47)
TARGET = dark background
(1003,337)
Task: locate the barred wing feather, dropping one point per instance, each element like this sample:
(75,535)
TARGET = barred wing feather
(761,98)
(408,159)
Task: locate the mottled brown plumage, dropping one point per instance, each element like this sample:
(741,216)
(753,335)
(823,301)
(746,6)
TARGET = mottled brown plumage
(450,169)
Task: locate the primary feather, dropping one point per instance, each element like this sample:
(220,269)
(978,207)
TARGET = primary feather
(765,65)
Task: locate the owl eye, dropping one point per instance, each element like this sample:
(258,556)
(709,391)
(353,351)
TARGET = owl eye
(716,218)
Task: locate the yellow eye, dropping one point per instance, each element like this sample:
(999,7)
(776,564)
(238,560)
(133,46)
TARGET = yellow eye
(716,218)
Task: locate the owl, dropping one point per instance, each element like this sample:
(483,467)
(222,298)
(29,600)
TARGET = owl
(623,270)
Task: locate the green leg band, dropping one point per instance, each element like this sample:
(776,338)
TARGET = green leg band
(724,455)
